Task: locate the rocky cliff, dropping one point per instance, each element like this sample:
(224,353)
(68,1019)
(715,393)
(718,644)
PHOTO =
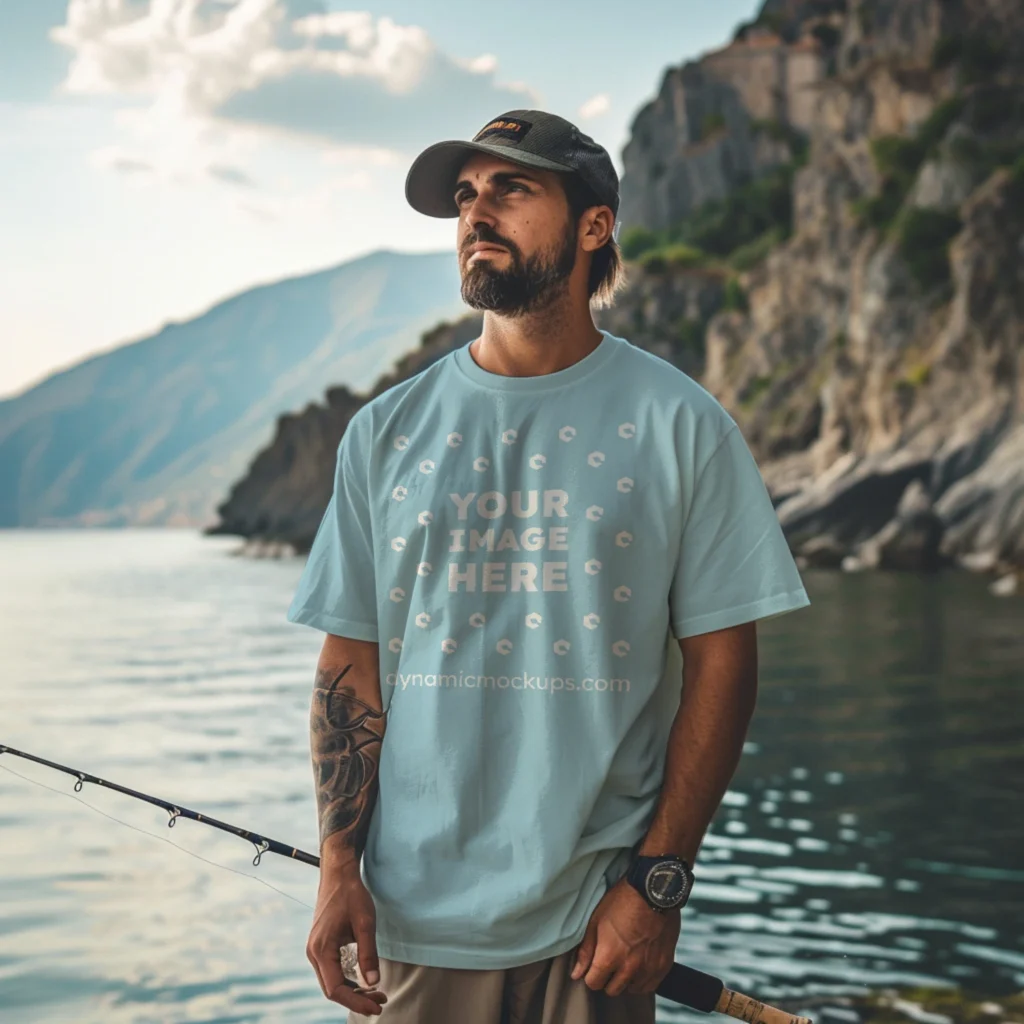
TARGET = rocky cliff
(714,123)
(876,368)
(825,221)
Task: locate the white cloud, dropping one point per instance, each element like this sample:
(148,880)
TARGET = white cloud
(595,106)
(278,65)
(483,64)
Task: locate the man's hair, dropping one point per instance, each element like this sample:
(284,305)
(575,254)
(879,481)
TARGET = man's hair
(607,271)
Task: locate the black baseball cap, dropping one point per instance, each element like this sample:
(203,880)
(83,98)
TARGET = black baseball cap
(533,138)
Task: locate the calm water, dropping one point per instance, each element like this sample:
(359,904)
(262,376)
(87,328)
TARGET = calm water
(872,837)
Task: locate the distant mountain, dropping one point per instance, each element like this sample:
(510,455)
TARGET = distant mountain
(154,432)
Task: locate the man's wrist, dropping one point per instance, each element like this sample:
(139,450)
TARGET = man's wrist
(651,845)
(339,855)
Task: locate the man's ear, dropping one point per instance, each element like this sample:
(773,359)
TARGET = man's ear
(597,227)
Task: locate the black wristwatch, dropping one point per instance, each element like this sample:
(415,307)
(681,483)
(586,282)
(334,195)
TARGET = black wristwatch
(664,882)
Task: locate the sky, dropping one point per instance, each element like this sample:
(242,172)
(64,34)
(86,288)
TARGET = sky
(159,155)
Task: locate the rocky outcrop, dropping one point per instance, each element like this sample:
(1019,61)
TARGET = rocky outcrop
(666,311)
(877,372)
(277,506)
(721,121)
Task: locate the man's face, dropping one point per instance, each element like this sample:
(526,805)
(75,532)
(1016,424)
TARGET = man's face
(517,242)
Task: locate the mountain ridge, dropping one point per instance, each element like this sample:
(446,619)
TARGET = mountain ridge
(151,432)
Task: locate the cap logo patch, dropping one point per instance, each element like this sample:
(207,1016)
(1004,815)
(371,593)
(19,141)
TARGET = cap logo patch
(506,129)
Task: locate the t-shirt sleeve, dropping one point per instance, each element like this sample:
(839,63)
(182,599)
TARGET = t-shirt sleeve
(337,591)
(734,561)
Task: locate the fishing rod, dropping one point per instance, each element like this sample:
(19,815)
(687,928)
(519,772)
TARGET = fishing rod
(682,984)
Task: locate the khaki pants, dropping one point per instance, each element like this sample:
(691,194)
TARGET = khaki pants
(538,993)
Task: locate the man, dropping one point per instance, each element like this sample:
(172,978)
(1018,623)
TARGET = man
(541,567)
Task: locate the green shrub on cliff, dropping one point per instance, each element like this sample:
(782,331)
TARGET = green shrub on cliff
(779,131)
(898,159)
(675,254)
(1017,171)
(978,55)
(711,123)
(746,257)
(735,297)
(923,236)
(690,335)
(738,229)
(755,388)
(638,240)
(722,226)
(880,210)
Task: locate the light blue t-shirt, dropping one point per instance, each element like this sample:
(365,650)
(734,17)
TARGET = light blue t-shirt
(525,550)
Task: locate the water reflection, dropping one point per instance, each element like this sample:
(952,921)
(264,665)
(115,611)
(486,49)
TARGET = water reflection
(872,835)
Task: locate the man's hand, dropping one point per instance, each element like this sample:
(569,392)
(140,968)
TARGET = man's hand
(345,913)
(628,946)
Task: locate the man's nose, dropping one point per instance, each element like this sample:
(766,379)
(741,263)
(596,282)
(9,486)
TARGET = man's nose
(480,211)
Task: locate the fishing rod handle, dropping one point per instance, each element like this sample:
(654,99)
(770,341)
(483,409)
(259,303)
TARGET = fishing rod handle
(741,1007)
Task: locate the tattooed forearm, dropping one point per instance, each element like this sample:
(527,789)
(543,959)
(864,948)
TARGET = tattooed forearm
(345,741)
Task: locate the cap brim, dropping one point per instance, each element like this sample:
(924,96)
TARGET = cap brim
(430,183)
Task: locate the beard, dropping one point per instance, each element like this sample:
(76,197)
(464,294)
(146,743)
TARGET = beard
(528,284)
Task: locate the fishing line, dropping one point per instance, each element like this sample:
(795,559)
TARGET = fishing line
(153,835)
(682,984)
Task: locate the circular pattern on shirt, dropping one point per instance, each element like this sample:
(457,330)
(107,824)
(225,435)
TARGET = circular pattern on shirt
(620,648)
(427,466)
(622,593)
(533,620)
(425,518)
(481,462)
(503,646)
(592,620)
(561,646)
(627,430)
(594,512)
(567,433)
(624,538)
(593,567)
(477,619)
(398,544)
(509,437)
(396,594)
(454,439)
(395,644)
(625,484)
(449,645)
(537,461)
(399,493)
(596,459)
(424,569)
(401,442)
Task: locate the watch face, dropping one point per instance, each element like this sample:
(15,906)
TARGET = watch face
(667,884)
